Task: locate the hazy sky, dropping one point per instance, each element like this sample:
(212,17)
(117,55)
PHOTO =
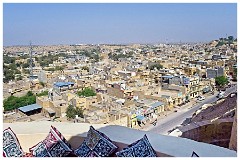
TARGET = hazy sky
(116,23)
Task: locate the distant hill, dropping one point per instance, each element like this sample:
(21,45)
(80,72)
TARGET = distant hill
(223,41)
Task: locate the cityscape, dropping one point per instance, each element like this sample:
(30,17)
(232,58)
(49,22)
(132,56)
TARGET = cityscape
(165,97)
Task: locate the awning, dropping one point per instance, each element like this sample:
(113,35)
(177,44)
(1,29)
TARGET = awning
(28,108)
(140,118)
(156,104)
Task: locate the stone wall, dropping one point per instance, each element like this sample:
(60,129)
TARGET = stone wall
(233,139)
(216,133)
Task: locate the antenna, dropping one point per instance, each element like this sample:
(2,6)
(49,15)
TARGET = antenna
(31,62)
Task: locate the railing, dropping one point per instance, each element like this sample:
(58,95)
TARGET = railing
(30,133)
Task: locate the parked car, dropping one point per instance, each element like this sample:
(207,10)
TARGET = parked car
(201,98)
(220,94)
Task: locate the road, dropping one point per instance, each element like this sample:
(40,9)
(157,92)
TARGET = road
(176,118)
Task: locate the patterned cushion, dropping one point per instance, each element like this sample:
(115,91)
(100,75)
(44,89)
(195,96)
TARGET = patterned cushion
(54,145)
(11,146)
(28,155)
(140,148)
(194,154)
(96,144)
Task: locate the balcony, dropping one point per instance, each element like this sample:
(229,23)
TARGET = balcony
(30,133)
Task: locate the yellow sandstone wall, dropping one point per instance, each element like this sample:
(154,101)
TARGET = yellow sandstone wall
(233,139)
(217,133)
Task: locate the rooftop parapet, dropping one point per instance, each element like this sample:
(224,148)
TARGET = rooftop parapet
(30,133)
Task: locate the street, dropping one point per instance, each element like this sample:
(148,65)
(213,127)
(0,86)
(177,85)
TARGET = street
(176,118)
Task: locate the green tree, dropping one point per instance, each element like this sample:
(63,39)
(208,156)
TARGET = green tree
(18,64)
(25,65)
(45,93)
(59,68)
(220,43)
(230,38)
(87,92)
(85,68)
(8,60)
(24,56)
(13,102)
(79,112)
(26,71)
(12,66)
(235,71)
(158,66)
(29,93)
(19,77)
(17,71)
(42,83)
(221,81)
(71,112)
(96,57)
(9,75)
(234,74)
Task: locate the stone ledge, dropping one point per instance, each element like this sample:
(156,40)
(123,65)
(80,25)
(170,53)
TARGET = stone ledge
(30,133)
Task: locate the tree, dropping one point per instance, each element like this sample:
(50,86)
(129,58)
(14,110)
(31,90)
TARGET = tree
(8,60)
(59,68)
(230,38)
(29,93)
(158,66)
(26,71)
(18,64)
(220,43)
(87,92)
(71,112)
(19,77)
(234,74)
(25,65)
(79,112)
(221,81)
(45,93)
(17,71)
(42,83)
(13,102)
(85,68)
(235,71)
(96,57)
(12,66)
(9,75)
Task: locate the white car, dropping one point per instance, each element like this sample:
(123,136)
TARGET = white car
(201,98)
(220,95)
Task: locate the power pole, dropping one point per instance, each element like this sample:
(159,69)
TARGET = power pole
(31,67)
(31,63)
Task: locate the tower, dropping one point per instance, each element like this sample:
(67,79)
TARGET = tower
(31,62)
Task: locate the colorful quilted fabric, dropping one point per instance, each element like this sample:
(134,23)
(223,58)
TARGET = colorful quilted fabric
(194,154)
(11,146)
(28,155)
(96,144)
(54,145)
(140,148)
